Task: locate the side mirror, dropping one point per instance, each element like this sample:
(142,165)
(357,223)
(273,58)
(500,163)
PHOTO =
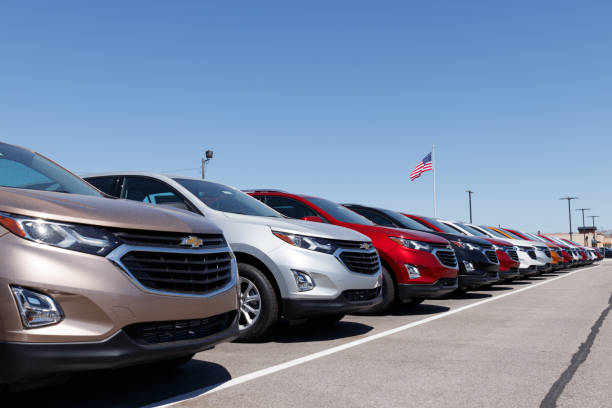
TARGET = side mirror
(313,218)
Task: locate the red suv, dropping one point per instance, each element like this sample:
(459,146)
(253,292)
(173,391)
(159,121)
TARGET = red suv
(416,265)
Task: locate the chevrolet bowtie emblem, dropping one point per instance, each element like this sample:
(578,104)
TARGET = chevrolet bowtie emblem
(365,245)
(193,242)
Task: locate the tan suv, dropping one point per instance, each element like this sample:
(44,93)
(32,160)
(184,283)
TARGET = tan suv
(88,282)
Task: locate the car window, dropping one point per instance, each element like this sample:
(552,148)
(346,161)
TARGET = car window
(290,207)
(375,217)
(21,168)
(339,212)
(455,228)
(513,235)
(104,184)
(226,199)
(493,232)
(473,230)
(440,225)
(151,191)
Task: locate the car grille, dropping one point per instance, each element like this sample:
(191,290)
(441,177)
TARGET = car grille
(531,254)
(513,255)
(167,239)
(361,262)
(350,244)
(187,273)
(355,295)
(169,331)
(447,257)
(491,256)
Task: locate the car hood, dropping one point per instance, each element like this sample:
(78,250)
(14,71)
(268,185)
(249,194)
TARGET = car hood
(301,227)
(522,242)
(399,232)
(498,242)
(100,211)
(463,238)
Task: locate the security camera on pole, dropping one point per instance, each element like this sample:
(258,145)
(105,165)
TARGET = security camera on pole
(207,157)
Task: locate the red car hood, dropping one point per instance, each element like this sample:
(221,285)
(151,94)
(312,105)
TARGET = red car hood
(399,232)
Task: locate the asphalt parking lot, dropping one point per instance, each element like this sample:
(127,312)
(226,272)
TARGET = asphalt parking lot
(546,341)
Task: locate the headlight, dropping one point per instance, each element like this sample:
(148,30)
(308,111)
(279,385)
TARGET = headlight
(312,243)
(80,238)
(466,245)
(412,244)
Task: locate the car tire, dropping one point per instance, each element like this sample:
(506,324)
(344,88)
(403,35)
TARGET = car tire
(326,320)
(254,284)
(388,295)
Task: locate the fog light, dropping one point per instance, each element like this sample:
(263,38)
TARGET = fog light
(413,272)
(303,280)
(468,266)
(35,308)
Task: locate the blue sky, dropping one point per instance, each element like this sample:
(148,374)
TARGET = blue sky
(334,98)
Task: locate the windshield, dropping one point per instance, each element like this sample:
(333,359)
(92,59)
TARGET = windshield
(533,237)
(456,228)
(20,168)
(339,212)
(513,235)
(407,222)
(493,232)
(441,226)
(226,199)
(473,231)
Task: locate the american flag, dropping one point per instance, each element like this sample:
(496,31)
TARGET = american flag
(422,167)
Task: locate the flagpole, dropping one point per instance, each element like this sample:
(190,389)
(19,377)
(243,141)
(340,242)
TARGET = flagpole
(433,167)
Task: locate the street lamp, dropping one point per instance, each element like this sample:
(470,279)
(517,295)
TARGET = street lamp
(470,192)
(208,155)
(583,210)
(569,211)
(594,229)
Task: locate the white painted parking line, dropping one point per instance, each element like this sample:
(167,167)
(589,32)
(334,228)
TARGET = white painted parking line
(279,367)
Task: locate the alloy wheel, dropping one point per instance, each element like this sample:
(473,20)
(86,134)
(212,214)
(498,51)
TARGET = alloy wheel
(250,303)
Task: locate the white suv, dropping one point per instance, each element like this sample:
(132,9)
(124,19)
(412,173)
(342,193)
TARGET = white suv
(530,265)
(289,269)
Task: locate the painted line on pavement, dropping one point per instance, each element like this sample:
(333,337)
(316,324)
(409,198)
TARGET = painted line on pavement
(336,349)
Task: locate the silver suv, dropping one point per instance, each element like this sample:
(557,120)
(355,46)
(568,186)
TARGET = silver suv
(289,269)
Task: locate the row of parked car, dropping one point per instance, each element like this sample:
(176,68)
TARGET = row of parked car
(150,269)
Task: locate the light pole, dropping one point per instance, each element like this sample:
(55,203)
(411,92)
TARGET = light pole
(470,192)
(208,155)
(595,231)
(583,210)
(569,211)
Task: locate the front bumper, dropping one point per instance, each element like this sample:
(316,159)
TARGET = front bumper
(350,301)
(439,288)
(529,271)
(475,280)
(511,273)
(330,275)
(545,268)
(24,361)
